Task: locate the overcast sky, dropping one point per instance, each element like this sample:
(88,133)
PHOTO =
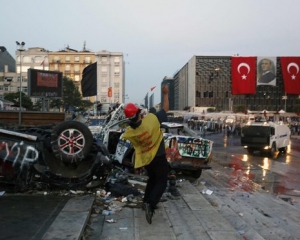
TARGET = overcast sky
(157,37)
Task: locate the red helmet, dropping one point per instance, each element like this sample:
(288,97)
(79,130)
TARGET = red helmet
(130,110)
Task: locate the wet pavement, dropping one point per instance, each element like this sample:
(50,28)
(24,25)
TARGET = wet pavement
(223,204)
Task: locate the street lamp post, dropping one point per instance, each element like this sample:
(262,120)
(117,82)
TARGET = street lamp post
(21,48)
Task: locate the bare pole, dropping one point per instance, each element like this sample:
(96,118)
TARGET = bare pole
(21,48)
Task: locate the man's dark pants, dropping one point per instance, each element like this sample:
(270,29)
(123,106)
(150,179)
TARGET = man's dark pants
(157,171)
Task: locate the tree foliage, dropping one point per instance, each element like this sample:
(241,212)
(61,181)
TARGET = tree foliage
(72,99)
(15,98)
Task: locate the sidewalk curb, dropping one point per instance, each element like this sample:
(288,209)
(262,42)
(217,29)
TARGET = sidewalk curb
(71,221)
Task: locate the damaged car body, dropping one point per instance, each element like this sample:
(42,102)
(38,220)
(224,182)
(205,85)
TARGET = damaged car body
(65,155)
(186,150)
(69,155)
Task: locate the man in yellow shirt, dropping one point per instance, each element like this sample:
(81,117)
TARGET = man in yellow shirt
(147,139)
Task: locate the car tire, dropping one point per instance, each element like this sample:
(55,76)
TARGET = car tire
(283,149)
(71,141)
(273,150)
(196,173)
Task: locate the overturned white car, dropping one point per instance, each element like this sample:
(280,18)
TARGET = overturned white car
(186,150)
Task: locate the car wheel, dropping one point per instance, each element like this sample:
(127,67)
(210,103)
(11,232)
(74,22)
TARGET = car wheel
(273,150)
(196,173)
(71,141)
(283,149)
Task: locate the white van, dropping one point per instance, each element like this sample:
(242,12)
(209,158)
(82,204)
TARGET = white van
(265,136)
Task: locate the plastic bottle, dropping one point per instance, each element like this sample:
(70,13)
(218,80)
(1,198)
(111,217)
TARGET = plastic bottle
(106,212)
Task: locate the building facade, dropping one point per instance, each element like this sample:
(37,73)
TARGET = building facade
(205,81)
(8,76)
(71,63)
(171,83)
(110,70)
(110,77)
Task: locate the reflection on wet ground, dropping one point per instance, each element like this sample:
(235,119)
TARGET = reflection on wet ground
(278,175)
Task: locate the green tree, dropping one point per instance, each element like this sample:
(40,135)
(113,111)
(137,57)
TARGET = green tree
(15,98)
(71,97)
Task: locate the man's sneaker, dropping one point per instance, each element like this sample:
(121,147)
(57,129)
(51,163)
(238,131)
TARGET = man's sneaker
(148,212)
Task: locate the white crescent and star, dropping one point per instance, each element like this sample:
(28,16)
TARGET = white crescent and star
(246,66)
(292,64)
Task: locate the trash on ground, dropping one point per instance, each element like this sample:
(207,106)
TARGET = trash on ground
(207,191)
(111,220)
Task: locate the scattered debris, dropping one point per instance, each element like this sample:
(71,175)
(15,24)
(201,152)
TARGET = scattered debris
(288,199)
(111,220)
(207,191)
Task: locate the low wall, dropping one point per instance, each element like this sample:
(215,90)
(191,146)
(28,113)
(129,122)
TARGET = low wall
(29,118)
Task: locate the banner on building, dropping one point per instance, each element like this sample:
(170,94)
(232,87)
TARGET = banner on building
(109,92)
(266,71)
(291,74)
(243,71)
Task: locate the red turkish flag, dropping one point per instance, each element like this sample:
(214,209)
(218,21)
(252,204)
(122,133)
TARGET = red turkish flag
(109,92)
(243,75)
(151,89)
(290,67)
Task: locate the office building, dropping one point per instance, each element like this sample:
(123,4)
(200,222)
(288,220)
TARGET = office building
(205,81)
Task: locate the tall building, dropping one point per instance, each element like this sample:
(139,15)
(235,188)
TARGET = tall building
(170,82)
(205,81)
(110,77)
(14,72)
(71,63)
(7,72)
(110,70)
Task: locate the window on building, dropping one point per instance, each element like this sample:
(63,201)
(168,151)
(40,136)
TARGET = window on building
(77,78)
(6,89)
(55,67)
(68,67)
(104,69)
(27,59)
(38,59)
(1,88)
(117,70)
(56,59)
(24,89)
(76,68)
(116,85)
(104,59)
(87,59)
(76,59)
(103,80)
(68,58)
(117,60)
